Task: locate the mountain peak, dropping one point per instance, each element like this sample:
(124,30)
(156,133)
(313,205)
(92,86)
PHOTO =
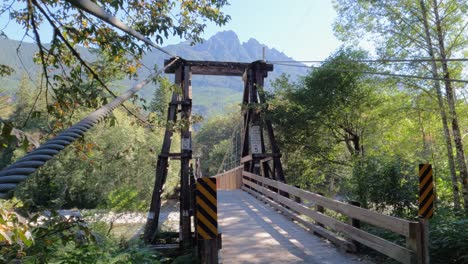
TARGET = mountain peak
(228,36)
(253,41)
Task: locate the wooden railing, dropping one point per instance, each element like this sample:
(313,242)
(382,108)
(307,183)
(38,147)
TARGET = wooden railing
(310,212)
(230,180)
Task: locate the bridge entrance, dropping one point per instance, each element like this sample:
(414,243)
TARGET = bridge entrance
(260,153)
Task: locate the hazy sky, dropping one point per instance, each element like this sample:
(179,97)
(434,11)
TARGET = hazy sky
(300,28)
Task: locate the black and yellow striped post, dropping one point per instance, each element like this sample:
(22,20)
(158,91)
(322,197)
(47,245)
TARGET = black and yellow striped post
(426,209)
(206,219)
(426,191)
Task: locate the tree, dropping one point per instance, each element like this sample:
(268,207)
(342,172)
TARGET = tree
(216,137)
(5,106)
(440,100)
(328,113)
(71,78)
(111,167)
(444,25)
(405,29)
(161,98)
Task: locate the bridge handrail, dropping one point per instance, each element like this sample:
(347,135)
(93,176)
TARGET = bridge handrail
(258,185)
(229,180)
(394,224)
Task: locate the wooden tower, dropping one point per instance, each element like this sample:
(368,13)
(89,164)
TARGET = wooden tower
(255,157)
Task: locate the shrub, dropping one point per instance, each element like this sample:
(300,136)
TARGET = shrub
(386,183)
(448,237)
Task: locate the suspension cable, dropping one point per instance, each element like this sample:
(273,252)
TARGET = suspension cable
(19,171)
(230,147)
(376,60)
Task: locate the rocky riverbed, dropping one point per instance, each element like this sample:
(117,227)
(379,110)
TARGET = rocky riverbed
(130,224)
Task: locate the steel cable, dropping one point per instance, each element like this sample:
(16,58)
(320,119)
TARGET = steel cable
(372,73)
(19,171)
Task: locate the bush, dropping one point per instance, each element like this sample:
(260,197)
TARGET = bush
(59,239)
(15,235)
(127,199)
(386,183)
(449,237)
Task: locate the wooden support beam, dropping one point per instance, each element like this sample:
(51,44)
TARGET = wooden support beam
(161,171)
(223,68)
(186,151)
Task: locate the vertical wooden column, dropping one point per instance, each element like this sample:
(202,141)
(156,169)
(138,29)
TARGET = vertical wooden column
(247,114)
(257,145)
(259,75)
(321,210)
(357,224)
(162,168)
(186,156)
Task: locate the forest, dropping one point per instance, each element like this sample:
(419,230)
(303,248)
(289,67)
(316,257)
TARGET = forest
(354,127)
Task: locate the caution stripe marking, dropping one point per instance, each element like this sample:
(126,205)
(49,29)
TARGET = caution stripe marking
(206,208)
(426,191)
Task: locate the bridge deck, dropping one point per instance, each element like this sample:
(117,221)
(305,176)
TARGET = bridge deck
(254,233)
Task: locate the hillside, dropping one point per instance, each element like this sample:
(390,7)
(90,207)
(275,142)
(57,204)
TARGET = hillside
(211,93)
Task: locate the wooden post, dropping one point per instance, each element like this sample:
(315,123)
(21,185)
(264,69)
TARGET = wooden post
(209,251)
(297,199)
(426,209)
(186,156)
(162,168)
(418,241)
(207,220)
(355,223)
(319,209)
(424,224)
(192,190)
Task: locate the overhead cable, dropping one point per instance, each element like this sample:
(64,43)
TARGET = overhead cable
(374,73)
(376,60)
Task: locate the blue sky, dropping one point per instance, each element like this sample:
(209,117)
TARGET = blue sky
(300,28)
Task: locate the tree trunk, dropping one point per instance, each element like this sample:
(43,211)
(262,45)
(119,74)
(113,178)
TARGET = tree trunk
(425,144)
(451,104)
(443,114)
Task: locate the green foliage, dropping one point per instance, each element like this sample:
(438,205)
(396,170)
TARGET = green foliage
(414,29)
(15,235)
(216,137)
(386,184)
(127,199)
(74,81)
(100,169)
(58,239)
(161,98)
(5,70)
(323,121)
(448,237)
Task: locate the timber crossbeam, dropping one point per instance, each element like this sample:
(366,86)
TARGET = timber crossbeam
(223,68)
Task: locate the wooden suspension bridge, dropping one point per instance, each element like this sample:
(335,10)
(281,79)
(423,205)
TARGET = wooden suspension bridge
(252,232)
(249,213)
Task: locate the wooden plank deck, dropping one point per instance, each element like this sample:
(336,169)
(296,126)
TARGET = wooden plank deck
(255,233)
